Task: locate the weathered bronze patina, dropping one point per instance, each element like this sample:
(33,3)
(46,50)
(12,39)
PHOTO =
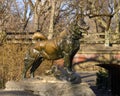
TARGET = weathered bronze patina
(65,46)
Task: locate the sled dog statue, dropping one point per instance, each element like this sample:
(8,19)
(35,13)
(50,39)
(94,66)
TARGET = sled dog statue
(65,46)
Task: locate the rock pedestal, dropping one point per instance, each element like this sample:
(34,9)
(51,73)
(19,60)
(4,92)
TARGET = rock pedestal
(49,86)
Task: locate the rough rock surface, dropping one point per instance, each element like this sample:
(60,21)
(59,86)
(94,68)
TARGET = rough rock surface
(49,86)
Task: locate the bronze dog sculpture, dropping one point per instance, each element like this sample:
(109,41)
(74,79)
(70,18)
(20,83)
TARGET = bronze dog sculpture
(63,46)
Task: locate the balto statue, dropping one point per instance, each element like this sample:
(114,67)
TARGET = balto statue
(65,46)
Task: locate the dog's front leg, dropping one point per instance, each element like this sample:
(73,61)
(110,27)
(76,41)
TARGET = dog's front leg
(68,62)
(73,77)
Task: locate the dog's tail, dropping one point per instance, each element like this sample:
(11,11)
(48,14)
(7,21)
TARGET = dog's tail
(39,36)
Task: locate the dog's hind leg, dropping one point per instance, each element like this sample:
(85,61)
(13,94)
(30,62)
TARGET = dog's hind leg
(35,65)
(29,60)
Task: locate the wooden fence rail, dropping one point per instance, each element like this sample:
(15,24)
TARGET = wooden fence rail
(19,37)
(26,37)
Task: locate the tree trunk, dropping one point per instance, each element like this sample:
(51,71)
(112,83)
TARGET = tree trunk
(107,38)
(36,17)
(35,21)
(52,20)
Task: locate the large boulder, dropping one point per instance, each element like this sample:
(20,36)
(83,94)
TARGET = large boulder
(49,86)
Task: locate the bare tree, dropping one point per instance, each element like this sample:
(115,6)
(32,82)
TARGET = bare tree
(39,7)
(51,16)
(103,12)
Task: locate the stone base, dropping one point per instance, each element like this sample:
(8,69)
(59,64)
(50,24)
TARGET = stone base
(49,86)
